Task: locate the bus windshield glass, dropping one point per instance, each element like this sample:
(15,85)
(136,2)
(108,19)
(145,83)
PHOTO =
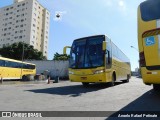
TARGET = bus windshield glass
(150,10)
(87,53)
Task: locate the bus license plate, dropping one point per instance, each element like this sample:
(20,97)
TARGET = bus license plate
(83,78)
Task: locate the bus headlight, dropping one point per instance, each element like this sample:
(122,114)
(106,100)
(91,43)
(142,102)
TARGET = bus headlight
(99,71)
(70,72)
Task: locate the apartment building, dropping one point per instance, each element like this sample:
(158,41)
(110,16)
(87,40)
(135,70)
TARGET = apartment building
(26,21)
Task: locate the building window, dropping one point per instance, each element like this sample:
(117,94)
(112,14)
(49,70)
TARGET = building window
(23,4)
(18,5)
(34,19)
(34,25)
(20,37)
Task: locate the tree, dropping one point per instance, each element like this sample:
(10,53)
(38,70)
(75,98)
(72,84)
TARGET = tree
(58,56)
(15,51)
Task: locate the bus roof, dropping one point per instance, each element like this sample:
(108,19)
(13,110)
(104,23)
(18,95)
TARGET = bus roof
(3,58)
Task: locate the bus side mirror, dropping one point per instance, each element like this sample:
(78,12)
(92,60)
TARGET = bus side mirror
(104,45)
(65,49)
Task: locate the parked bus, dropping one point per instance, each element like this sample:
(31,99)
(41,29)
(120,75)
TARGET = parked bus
(149,42)
(14,69)
(97,59)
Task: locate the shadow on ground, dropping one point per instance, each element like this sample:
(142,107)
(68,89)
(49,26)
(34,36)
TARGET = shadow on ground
(73,91)
(148,103)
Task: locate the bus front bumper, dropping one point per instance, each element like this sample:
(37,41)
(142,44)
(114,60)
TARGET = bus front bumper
(94,78)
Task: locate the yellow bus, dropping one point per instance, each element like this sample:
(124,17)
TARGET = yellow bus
(96,59)
(149,42)
(14,69)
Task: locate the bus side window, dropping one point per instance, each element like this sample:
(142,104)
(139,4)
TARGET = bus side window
(108,57)
(2,63)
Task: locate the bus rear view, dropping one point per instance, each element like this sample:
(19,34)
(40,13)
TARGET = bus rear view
(149,42)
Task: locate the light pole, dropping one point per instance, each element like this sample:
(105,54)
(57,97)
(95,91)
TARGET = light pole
(22,51)
(22,58)
(134,48)
(138,60)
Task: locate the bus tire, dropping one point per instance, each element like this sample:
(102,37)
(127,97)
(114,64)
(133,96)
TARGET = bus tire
(112,83)
(85,84)
(127,80)
(24,78)
(156,87)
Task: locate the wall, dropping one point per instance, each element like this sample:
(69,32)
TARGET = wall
(56,68)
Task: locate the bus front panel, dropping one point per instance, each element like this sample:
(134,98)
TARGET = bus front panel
(90,75)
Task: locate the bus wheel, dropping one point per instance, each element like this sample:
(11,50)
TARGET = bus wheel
(85,84)
(156,87)
(127,80)
(24,78)
(112,83)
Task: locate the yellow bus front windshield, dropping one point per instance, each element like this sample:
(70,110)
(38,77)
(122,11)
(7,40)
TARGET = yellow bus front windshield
(87,53)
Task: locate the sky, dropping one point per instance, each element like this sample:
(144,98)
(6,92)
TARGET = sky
(81,18)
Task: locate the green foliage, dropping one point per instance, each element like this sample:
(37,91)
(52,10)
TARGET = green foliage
(15,51)
(58,56)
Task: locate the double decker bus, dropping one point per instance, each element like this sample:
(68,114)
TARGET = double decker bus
(14,69)
(96,59)
(149,42)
